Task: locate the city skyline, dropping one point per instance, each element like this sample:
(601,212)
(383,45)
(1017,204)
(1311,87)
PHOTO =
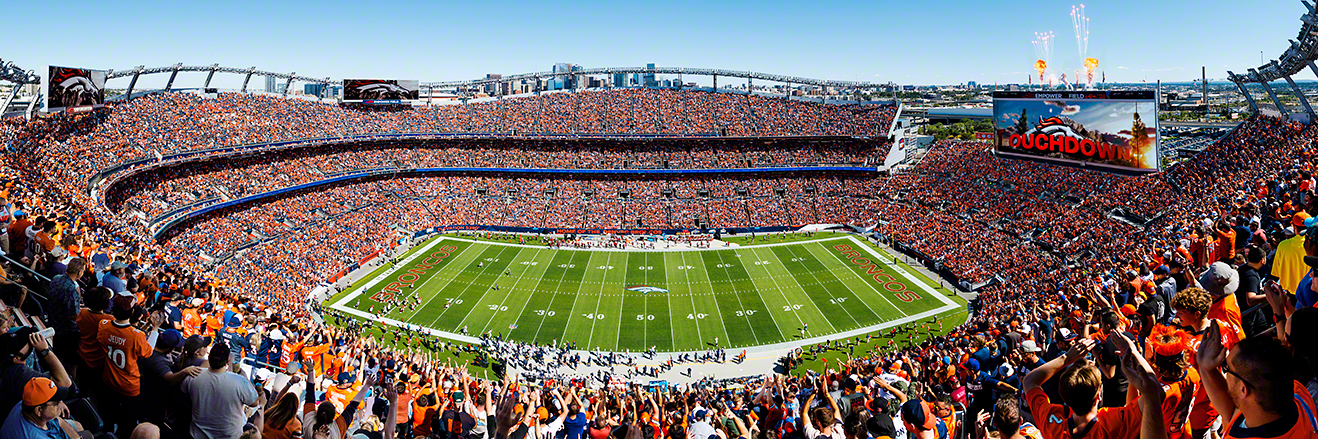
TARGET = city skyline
(900,42)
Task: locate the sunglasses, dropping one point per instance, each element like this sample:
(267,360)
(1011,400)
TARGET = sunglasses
(1242,379)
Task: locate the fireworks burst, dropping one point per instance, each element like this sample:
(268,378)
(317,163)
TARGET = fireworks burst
(1081,24)
(1043,45)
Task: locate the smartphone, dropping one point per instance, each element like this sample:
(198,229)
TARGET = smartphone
(47,333)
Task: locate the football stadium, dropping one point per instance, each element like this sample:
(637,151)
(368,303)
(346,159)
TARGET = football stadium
(761,249)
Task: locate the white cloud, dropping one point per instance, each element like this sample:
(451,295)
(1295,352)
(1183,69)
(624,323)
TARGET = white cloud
(1123,68)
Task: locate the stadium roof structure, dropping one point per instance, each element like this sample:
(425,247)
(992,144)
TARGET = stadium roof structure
(1299,55)
(15,74)
(212,69)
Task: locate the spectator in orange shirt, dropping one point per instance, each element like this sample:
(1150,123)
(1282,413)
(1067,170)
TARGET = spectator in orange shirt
(124,345)
(1180,382)
(1221,281)
(1081,388)
(96,301)
(1261,398)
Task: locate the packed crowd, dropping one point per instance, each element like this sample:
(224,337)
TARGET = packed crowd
(176,122)
(1094,324)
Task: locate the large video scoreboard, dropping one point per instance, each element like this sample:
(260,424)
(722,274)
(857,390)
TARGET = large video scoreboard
(1107,129)
(380,91)
(74,89)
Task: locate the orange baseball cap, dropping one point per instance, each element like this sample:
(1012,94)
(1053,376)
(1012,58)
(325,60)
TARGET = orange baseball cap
(41,390)
(1297,220)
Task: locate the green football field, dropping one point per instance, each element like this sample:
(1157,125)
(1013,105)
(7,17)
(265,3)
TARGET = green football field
(673,300)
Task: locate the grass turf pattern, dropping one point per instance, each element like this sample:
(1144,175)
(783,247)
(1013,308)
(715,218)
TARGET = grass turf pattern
(745,296)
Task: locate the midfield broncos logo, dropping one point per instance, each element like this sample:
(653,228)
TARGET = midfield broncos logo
(646,289)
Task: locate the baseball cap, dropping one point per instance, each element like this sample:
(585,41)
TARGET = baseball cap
(1162,270)
(41,390)
(196,342)
(918,416)
(700,414)
(1129,309)
(1005,370)
(1220,279)
(170,339)
(122,302)
(1030,346)
(13,341)
(117,265)
(1066,333)
(220,352)
(971,364)
(235,321)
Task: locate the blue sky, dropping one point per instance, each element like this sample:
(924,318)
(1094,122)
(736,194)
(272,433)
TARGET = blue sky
(936,42)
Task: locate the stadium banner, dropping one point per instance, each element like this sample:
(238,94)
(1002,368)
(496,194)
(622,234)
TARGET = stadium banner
(381,91)
(1116,130)
(987,137)
(74,89)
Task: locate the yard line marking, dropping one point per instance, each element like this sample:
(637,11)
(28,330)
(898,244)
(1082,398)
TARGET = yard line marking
(779,289)
(510,290)
(717,309)
(467,287)
(700,340)
(800,288)
(849,288)
(526,301)
(576,299)
(600,298)
(830,293)
(728,271)
(862,280)
(554,295)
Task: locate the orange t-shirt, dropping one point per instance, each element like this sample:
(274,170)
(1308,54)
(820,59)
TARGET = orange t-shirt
(338,396)
(88,346)
(287,352)
(292,429)
(419,412)
(191,322)
(1226,244)
(1054,420)
(1202,414)
(1227,310)
(404,401)
(123,346)
(213,323)
(1176,405)
(1304,427)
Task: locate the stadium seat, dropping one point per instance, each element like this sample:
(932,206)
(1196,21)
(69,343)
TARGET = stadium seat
(85,414)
